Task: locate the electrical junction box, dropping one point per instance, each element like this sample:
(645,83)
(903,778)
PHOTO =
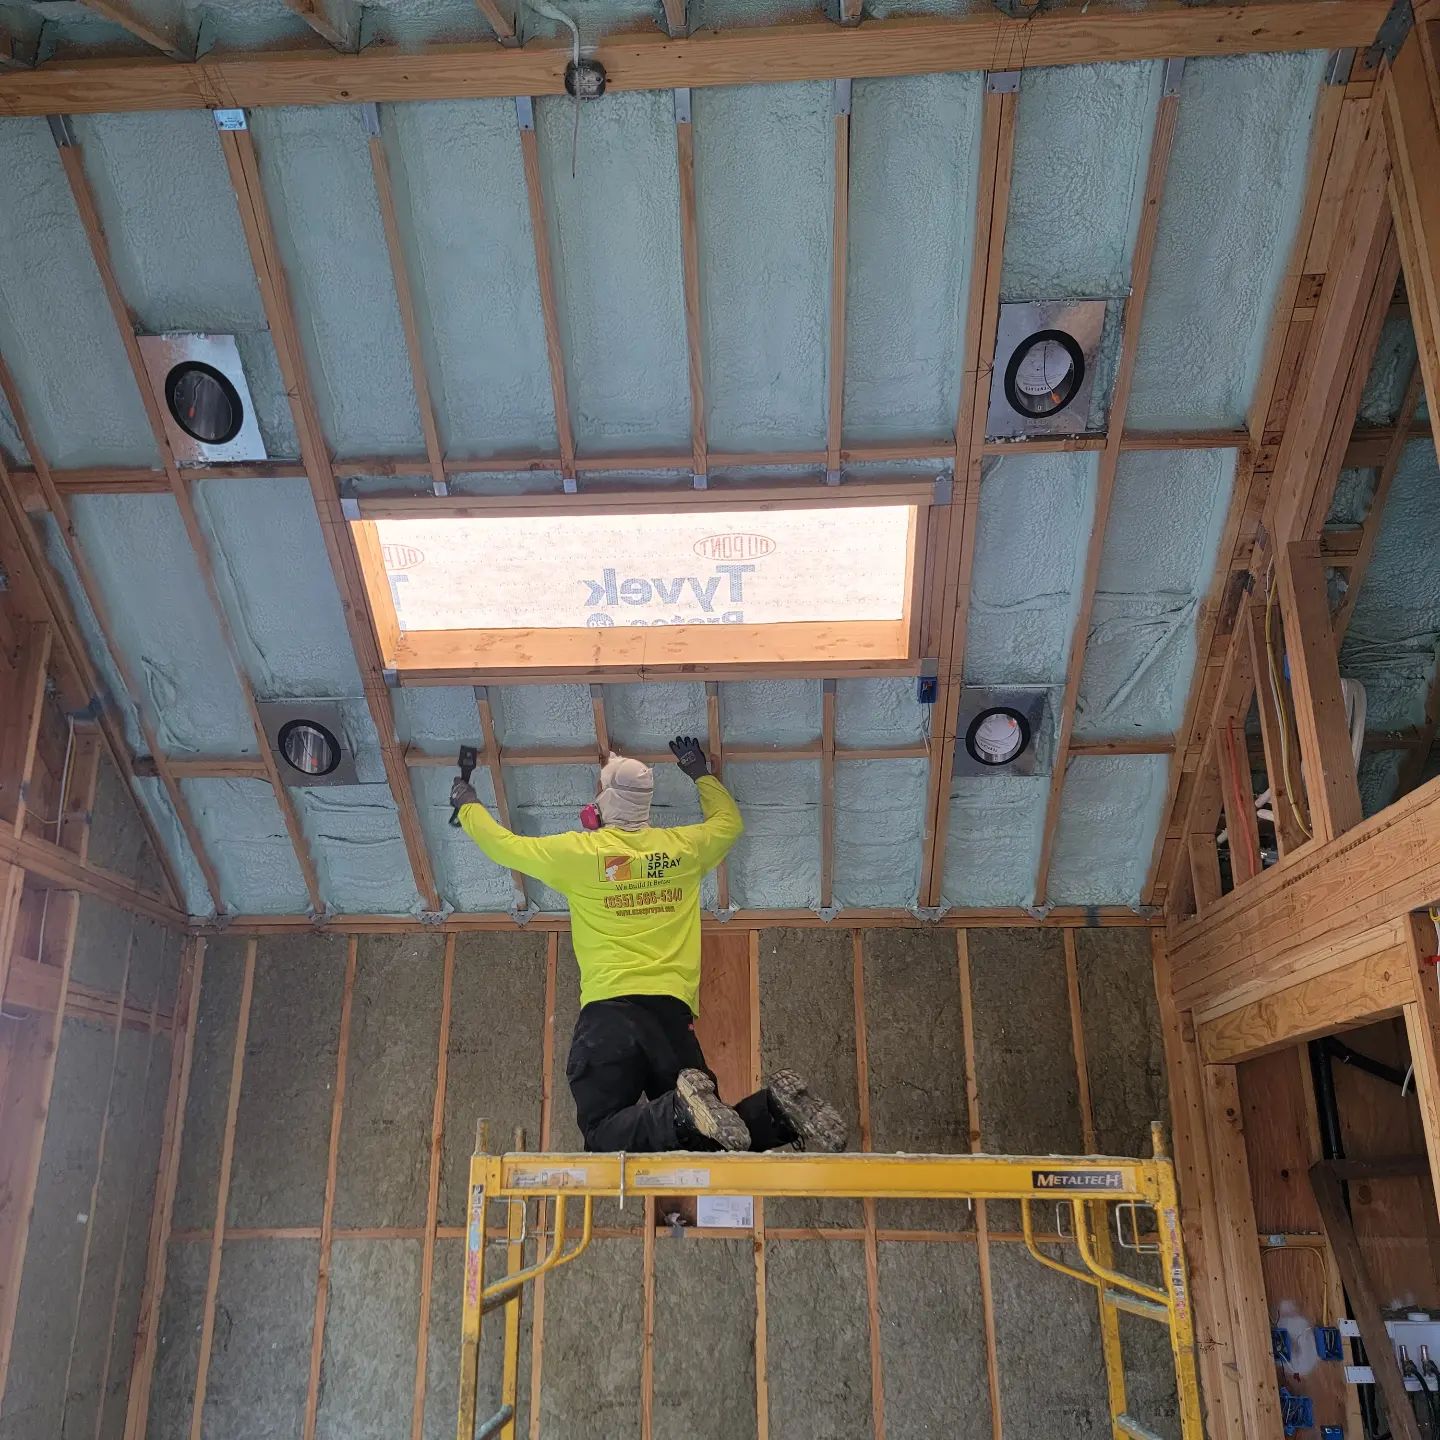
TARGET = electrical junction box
(1412,1330)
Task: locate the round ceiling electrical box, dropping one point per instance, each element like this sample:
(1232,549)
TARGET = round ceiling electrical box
(203,403)
(308,747)
(997,736)
(1045,372)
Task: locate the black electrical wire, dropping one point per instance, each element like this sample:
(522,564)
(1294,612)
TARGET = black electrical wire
(1339,1050)
(1408,1370)
(1432,1397)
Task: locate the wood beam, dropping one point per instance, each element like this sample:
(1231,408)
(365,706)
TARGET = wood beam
(72,163)
(1412,136)
(690,266)
(948,600)
(839,257)
(499,22)
(66,871)
(717,753)
(545,280)
(168,36)
(243,167)
(1153,194)
(1280,743)
(1422,1029)
(337,22)
(1373,987)
(1299,917)
(827,794)
(497,780)
(772,54)
(1332,790)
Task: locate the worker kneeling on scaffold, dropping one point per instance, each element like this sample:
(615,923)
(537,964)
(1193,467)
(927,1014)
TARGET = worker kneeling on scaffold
(636,1069)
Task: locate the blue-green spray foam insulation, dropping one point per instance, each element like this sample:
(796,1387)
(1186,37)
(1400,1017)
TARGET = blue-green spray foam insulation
(1082,142)
(462,208)
(1166,517)
(1109,813)
(765,180)
(612,200)
(245,837)
(315,165)
(1226,221)
(55,324)
(914,157)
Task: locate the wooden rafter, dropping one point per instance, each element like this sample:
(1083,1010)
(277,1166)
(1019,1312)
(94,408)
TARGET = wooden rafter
(840,244)
(243,167)
(405,302)
(500,23)
(981,40)
(545,280)
(718,754)
(1164,133)
(337,22)
(949,601)
(71,161)
(827,794)
(491,755)
(169,38)
(690,265)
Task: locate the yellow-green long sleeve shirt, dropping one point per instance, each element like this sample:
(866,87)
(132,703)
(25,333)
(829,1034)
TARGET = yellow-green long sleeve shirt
(634,895)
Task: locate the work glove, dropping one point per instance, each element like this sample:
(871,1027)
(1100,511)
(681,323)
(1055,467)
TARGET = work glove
(462,792)
(689,756)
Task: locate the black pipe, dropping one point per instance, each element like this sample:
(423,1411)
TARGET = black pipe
(1337,1049)
(1332,1147)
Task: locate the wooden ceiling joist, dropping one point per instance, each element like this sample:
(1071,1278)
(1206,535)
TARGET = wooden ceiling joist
(690,268)
(337,22)
(84,197)
(499,22)
(1154,191)
(984,40)
(839,247)
(243,168)
(169,38)
(949,576)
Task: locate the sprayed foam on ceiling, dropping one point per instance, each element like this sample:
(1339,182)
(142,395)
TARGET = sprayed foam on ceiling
(765,150)
(1395,358)
(914,158)
(422,22)
(1230,209)
(54,319)
(12,447)
(776,862)
(245,837)
(1109,815)
(1082,142)
(612,199)
(460,199)
(316,167)
(1166,519)
(1035,518)
(163,622)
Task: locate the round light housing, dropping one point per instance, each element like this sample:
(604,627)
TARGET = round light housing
(203,403)
(308,747)
(997,736)
(1045,371)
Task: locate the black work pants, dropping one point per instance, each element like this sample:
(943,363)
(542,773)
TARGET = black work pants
(625,1058)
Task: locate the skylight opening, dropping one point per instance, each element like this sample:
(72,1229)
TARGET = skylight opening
(517,590)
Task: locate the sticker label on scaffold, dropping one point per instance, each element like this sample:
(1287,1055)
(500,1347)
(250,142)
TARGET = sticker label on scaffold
(567,1178)
(474,1245)
(1177,1266)
(665,1179)
(1078,1179)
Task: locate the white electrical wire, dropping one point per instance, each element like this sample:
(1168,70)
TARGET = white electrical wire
(553,12)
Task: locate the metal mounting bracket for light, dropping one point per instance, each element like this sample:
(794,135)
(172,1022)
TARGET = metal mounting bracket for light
(290,724)
(1031,337)
(1028,707)
(173,362)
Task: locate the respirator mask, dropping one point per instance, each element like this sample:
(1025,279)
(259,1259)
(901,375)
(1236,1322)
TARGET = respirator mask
(590,817)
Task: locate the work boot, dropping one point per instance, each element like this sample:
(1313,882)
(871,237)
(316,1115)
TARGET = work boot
(699,1110)
(817,1124)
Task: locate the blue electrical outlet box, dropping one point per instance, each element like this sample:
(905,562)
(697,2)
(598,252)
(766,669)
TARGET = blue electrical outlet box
(927,689)
(1328,1344)
(1297,1412)
(1331,1432)
(1280,1344)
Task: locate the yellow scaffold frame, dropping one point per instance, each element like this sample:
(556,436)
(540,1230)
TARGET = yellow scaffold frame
(1086,1183)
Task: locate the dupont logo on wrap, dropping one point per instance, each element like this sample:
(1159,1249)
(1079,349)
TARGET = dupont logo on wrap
(743,546)
(401,557)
